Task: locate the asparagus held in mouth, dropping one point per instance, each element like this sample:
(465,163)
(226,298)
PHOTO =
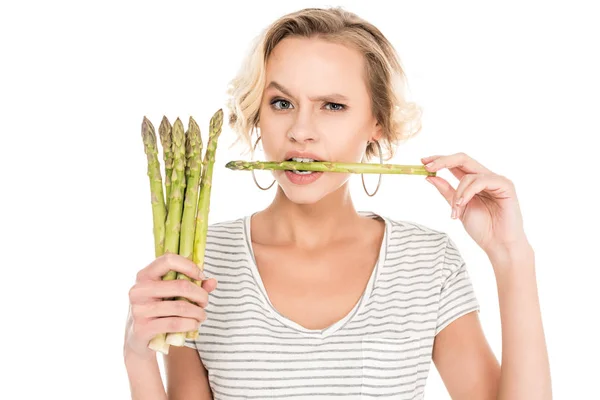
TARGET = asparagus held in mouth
(328,166)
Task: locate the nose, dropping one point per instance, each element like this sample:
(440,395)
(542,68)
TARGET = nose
(303,129)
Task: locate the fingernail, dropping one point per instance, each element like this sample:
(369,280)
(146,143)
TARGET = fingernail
(429,180)
(459,201)
(453,216)
(430,165)
(201,275)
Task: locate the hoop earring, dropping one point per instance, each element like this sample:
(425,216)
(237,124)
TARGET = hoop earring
(254,176)
(362,177)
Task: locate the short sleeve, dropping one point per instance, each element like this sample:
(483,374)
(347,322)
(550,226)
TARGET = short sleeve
(457,296)
(191,343)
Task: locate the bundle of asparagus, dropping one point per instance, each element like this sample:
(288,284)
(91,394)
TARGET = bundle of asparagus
(180,213)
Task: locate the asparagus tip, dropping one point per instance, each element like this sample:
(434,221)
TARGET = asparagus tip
(147,125)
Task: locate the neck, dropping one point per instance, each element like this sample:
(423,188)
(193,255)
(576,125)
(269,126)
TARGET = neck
(311,226)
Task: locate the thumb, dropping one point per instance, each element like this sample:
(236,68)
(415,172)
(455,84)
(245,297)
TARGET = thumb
(209,285)
(446,190)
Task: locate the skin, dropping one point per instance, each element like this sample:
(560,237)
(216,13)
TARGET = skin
(312,229)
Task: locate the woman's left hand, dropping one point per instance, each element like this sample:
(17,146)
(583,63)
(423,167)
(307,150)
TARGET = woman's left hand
(489,209)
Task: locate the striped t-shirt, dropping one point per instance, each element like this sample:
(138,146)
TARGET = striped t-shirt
(380,349)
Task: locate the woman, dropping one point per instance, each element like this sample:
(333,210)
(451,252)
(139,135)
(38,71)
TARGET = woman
(315,299)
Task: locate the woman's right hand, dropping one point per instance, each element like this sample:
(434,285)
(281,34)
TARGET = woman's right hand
(150,315)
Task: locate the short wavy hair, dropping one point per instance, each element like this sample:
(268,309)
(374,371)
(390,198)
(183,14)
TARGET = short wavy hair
(385,77)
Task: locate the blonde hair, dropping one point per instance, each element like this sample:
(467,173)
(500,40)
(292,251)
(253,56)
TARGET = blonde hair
(386,80)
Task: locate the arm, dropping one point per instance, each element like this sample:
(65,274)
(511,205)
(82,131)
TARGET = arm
(149,316)
(144,378)
(525,365)
(487,205)
(464,359)
(186,376)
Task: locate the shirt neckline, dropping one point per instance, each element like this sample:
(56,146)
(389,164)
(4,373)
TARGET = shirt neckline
(336,326)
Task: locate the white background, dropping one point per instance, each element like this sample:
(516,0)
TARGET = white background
(515,85)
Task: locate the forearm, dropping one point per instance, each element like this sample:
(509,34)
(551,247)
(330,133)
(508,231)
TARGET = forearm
(145,381)
(525,370)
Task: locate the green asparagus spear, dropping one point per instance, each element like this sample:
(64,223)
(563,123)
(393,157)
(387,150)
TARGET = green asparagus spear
(188,224)
(165,132)
(194,167)
(173,222)
(216,125)
(157,199)
(156,191)
(326,166)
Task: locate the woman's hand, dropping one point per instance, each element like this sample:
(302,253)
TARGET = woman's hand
(150,315)
(486,203)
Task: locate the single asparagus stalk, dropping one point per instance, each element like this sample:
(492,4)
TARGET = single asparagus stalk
(188,224)
(157,200)
(326,166)
(159,211)
(193,153)
(165,132)
(216,127)
(173,222)
(216,124)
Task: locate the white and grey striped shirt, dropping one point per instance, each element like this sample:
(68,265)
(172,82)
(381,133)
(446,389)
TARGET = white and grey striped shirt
(381,349)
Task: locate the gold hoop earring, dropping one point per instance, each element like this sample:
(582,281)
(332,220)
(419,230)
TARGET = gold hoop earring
(254,176)
(362,177)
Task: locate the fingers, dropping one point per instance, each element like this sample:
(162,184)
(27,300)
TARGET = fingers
(157,326)
(458,164)
(443,187)
(148,291)
(470,186)
(466,186)
(174,308)
(427,160)
(169,262)
(209,285)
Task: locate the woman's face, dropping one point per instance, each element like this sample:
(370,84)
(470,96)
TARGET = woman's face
(316,106)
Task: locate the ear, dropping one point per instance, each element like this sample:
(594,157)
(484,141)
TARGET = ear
(377,133)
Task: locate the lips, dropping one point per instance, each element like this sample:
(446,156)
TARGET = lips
(302,156)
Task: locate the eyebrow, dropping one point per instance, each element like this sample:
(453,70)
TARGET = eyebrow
(327,97)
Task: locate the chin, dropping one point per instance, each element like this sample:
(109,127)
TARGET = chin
(303,196)
(314,192)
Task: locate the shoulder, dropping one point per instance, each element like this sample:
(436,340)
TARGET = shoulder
(226,233)
(226,248)
(227,225)
(414,231)
(401,225)
(417,241)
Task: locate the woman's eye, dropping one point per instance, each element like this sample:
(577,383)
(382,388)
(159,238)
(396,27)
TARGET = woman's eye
(281,104)
(335,106)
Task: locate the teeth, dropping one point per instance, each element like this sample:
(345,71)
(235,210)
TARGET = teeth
(302,159)
(302,172)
